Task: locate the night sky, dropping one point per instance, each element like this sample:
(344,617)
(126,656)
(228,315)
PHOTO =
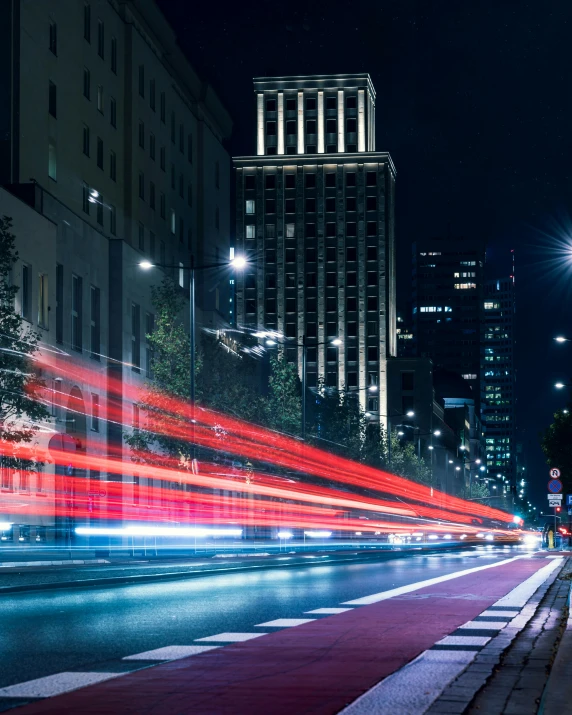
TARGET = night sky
(474,103)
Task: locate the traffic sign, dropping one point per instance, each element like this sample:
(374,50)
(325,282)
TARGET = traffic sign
(569,499)
(555,486)
(554,472)
(554,499)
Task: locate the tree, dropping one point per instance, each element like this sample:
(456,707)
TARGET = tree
(406,463)
(556,443)
(479,490)
(21,410)
(284,403)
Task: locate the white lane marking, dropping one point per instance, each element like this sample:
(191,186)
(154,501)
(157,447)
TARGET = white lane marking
(484,625)
(171,652)
(464,640)
(522,593)
(230,637)
(285,623)
(503,614)
(54,684)
(331,611)
(414,688)
(553,557)
(383,595)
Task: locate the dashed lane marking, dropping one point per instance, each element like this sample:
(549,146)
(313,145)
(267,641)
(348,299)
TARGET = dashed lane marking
(171,652)
(522,593)
(464,640)
(329,611)
(285,623)
(504,614)
(230,637)
(485,625)
(56,684)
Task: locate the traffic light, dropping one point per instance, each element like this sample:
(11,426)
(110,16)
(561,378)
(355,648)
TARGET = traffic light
(558,509)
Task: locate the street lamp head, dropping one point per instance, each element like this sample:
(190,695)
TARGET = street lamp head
(437,433)
(564,411)
(483,469)
(372,388)
(410,413)
(462,447)
(457,469)
(450,461)
(559,385)
(477,461)
(239,262)
(561,339)
(431,446)
(400,434)
(146,265)
(337,341)
(270,343)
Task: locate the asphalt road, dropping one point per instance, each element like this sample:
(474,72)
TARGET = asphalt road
(42,633)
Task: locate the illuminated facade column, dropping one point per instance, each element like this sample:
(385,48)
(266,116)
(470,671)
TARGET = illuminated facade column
(321,123)
(341,122)
(260,123)
(300,122)
(280,123)
(361,120)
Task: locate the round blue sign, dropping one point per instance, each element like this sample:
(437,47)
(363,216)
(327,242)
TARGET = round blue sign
(555,486)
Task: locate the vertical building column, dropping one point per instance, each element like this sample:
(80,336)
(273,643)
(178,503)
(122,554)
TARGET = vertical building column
(300,122)
(260,124)
(341,122)
(321,147)
(361,120)
(372,129)
(280,123)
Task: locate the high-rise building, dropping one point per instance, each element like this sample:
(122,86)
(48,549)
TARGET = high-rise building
(448,283)
(108,134)
(498,381)
(314,214)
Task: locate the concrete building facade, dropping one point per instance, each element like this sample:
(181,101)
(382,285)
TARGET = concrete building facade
(315,218)
(109,134)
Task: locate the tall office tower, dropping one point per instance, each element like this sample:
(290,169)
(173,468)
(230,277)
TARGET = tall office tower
(448,278)
(108,135)
(498,379)
(314,214)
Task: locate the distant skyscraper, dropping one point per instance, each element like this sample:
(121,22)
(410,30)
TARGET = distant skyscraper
(448,278)
(314,214)
(498,413)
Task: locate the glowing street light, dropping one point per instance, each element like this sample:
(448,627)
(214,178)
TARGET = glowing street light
(437,433)
(562,339)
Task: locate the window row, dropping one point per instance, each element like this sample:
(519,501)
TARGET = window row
(310,205)
(310,179)
(330,103)
(331,127)
(291,304)
(100,37)
(100,97)
(310,230)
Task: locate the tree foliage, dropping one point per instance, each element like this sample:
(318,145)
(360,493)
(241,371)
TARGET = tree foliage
(283,406)
(21,410)
(556,443)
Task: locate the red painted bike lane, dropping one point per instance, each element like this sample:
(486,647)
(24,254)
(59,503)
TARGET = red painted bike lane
(315,669)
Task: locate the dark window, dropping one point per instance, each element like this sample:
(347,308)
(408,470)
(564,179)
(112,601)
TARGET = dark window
(350,126)
(86,83)
(351,148)
(26,291)
(310,149)
(311,330)
(310,181)
(331,279)
(350,178)
(331,180)
(190,194)
(352,354)
(311,305)
(371,228)
(330,254)
(371,203)
(173,125)
(372,353)
(249,182)
(331,331)
(86,141)
(141,185)
(330,229)
(351,304)
(331,126)
(310,230)
(310,254)
(271,280)
(270,181)
(182,186)
(311,126)
(85,198)
(152,146)
(352,379)
(271,150)
(291,127)
(310,280)
(87,22)
(291,333)
(290,305)
(290,255)
(351,253)
(250,305)
(250,280)
(141,80)
(270,105)
(114,55)
(331,102)
(271,129)
(190,148)
(371,303)
(182,139)
(350,203)
(310,205)
(407,380)
(351,102)
(371,178)
(371,278)
(372,253)
(351,278)
(270,206)
(54,38)
(330,204)
(53,100)
(100,38)
(290,279)
(311,355)
(290,206)
(270,305)
(351,229)
(291,105)
(152,195)
(162,155)
(270,230)
(95,323)
(162,107)
(270,255)
(290,181)
(331,304)
(373,404)
(100,153)
(331,149)
(141,134)
(59,303)
(76,313)
(311,103)
(113,112)
(99,210)
(152,94)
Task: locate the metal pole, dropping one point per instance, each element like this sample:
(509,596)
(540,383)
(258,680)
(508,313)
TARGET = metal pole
(304,387)
(192,346)
(389,440)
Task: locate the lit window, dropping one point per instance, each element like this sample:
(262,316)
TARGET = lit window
(173,222)
(181,275)
(250,231)
(52,160)
(489,305)
(469,376)
(465,286)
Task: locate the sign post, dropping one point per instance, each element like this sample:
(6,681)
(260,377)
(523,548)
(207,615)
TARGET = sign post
(554,493)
